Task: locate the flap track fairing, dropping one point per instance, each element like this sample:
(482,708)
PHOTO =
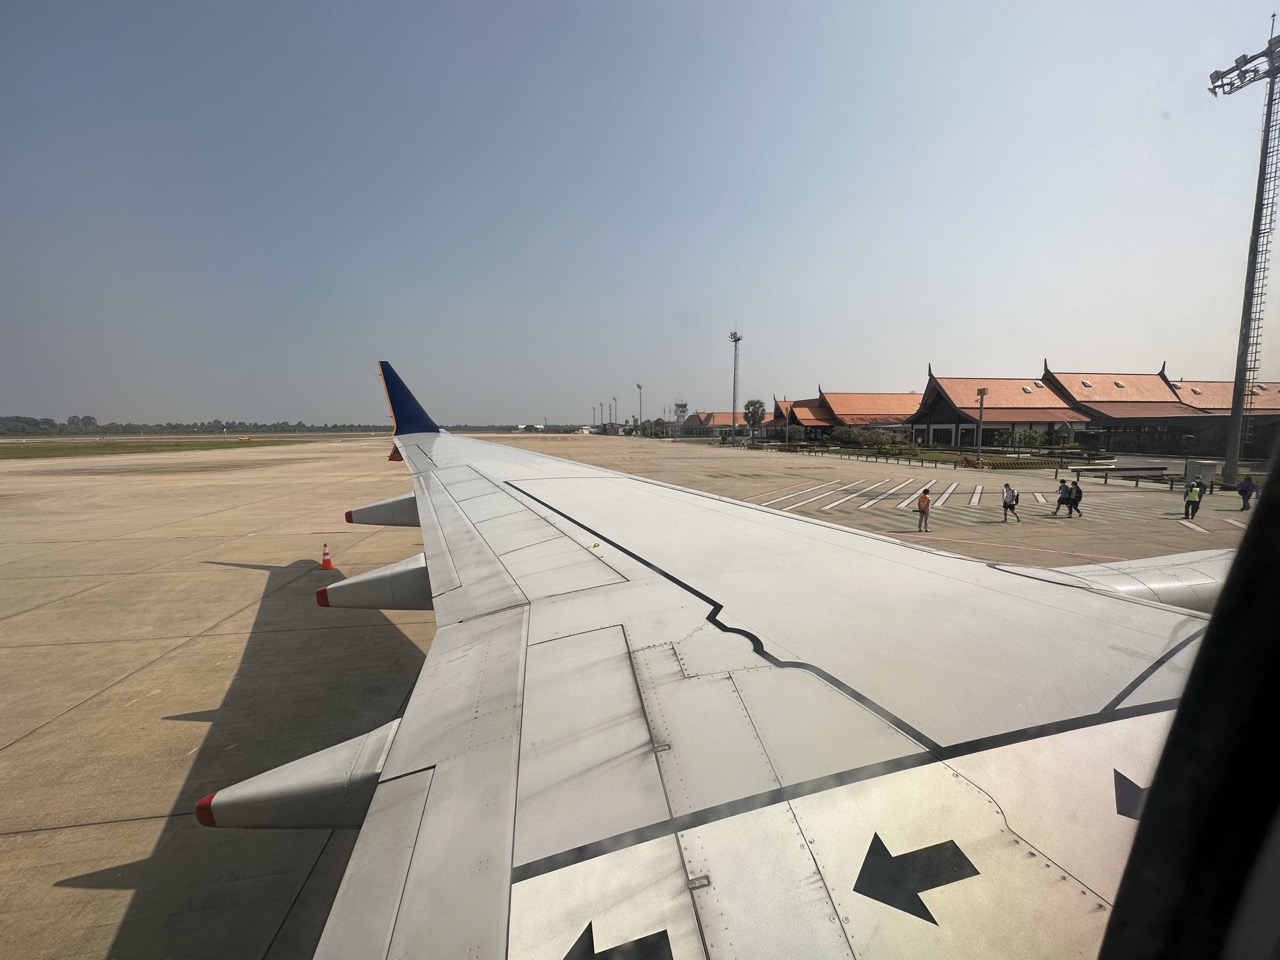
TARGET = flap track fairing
(399,586)
(395,512)
(328,790)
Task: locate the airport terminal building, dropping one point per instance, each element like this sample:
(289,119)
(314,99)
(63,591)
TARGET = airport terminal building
(1117,412)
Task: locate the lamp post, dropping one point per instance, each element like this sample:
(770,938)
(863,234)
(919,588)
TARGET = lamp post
(1246,71)
(640,419)
(614,415)
(982,399)
(735,338)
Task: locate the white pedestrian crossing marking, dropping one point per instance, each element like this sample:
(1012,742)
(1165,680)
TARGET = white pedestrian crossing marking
(946,494)
(890,491)
(1234,523)
(832,506)
(1192,526)
(770,493)
(977,495)
(1040,498)
(824,493)
(800,493)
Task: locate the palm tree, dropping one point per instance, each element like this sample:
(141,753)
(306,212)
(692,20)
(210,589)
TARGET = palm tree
(753,413)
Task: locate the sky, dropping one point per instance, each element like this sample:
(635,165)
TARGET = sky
(232,210)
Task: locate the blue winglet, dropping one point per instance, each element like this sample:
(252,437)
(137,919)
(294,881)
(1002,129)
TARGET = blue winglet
(406,411)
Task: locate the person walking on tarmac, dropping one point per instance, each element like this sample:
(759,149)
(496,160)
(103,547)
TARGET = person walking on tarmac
(1246,490)
(1074,498)
(1064,498)
(922,505)
(1009,502)
(1191,500)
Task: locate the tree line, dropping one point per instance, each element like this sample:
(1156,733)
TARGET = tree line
(86,426)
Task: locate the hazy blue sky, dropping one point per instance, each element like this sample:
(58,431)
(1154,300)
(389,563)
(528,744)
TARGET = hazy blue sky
(233,209)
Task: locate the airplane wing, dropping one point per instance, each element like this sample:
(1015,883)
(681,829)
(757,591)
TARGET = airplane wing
(658,723)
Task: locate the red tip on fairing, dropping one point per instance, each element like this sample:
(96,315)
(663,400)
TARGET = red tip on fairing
(204,811)
(349,520)
(322,596)
(395,455)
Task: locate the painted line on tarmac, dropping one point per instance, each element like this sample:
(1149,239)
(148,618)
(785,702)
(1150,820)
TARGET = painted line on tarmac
(1191,526)
(946,494)
(977,495)
(799,493)
(889,492)
(1234,523)
(832,506)
(770,493)
(1040,498)
(825,493)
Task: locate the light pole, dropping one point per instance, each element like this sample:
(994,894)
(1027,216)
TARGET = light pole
(982,399)
(640,419)
(1248,70)
(614,415)
(735,338)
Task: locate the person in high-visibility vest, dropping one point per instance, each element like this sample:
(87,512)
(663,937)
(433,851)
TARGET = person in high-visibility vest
(922,505)
(1191,501)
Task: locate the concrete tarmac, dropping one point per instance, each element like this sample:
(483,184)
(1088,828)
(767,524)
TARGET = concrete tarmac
(159,639)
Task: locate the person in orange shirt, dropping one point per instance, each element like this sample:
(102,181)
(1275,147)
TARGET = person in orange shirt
(922,506)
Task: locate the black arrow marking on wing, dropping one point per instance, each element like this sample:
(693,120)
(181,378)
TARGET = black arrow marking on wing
(656,946)
(1129,797)
(898,881)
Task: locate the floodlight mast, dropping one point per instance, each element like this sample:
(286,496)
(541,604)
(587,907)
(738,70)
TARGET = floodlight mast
(736,338)
(1245,71)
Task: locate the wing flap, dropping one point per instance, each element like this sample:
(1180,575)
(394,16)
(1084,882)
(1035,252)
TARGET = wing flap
(367,907)
(457,892)
(587,767)
(626,896)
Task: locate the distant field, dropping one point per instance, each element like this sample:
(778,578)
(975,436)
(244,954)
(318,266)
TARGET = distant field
(18,449)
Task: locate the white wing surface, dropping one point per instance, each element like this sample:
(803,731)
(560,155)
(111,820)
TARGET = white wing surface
(659,723)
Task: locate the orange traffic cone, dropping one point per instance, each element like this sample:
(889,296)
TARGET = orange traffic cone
(326,563)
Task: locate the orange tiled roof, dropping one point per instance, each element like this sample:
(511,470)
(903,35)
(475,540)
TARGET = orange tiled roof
(1005,393)
(813,413)
(1146,411)
(716,419)
(1094,388)
(1215,395)
(1029,415)
(872,407)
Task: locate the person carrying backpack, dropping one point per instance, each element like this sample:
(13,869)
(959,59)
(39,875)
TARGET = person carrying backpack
(1009,502)
(1073,502)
